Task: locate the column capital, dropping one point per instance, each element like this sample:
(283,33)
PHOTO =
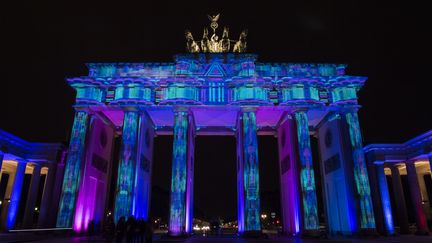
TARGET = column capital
(248,109)
(36,166)
(410,161)
(298,109)
(82,109)
(130,108)
(393,166)
(177,109)
(378,162)
(21,161)
(346,108)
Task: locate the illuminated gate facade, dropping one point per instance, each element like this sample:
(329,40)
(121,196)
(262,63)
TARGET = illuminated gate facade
(218,94)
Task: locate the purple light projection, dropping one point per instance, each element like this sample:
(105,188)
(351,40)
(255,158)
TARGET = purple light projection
(289,178)
(206,89)
(190,174)
(179,175)
(73,170)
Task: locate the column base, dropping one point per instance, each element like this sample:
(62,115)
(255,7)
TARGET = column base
(253,234)
(182,235)
(402,231)
(421,232)
(179,234)
(313,234)
(372,232)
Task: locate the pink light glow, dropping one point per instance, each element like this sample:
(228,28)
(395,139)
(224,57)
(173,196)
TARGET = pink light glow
(289,180)
(85,205)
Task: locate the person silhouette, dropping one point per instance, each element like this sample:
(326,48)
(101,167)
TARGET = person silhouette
(109,229)
(120,229)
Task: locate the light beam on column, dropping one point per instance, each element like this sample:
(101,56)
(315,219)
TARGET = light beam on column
(179,174)
(142,187)
(190,174)
(385,198)
(289,186)
(250,173)
(416,198)
(360,172)
(12,209)
(307,177)
(126,169)
(73,170)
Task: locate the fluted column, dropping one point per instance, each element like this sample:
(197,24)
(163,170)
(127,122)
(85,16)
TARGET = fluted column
(143,169)
(420,216)
(190,174)
(367,220)
(400,203)
(385,198)
(307,177)
(248,173)
(289,181)
(47,192)
(72,173)
(126,168)
(56,192)
(12,209)
(32,195)
(177,219)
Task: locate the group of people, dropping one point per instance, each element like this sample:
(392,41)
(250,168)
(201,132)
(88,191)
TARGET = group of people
(131,230)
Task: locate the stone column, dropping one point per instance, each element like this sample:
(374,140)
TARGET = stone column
(401,208)
(190,174)
(143,170)
(289,181)
(385,199)
(420,216)
(177,219)
(72,173)
(56,193)
(13,205)
(367,219)
(376,198)
(47,193)
(31,196)
(248,173)
(126,168)
(240,180)
(307,177)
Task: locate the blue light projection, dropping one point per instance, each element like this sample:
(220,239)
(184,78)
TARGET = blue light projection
(178,177)
(360,172)
(385,199)
(15,195)
(240,177)
(214,81)
(307,179)
(72,173)
(126,169)
(190,175)
(251,172)
(344,93)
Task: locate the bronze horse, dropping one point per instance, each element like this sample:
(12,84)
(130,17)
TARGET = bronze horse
(241,44)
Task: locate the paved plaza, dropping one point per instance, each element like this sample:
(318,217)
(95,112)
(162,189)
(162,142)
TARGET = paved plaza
(30,237)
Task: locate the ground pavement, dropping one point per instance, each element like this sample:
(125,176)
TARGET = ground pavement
(52,238)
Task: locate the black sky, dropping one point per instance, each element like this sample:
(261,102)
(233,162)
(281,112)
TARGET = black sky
(44,42)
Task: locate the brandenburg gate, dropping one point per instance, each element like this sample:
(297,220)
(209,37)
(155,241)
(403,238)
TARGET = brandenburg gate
(217,89)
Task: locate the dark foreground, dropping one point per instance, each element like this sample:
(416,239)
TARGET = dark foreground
(30,237)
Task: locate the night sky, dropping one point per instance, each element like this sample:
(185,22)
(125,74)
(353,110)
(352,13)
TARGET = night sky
(44,42)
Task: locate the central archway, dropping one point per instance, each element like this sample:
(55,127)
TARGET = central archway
(215,192)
